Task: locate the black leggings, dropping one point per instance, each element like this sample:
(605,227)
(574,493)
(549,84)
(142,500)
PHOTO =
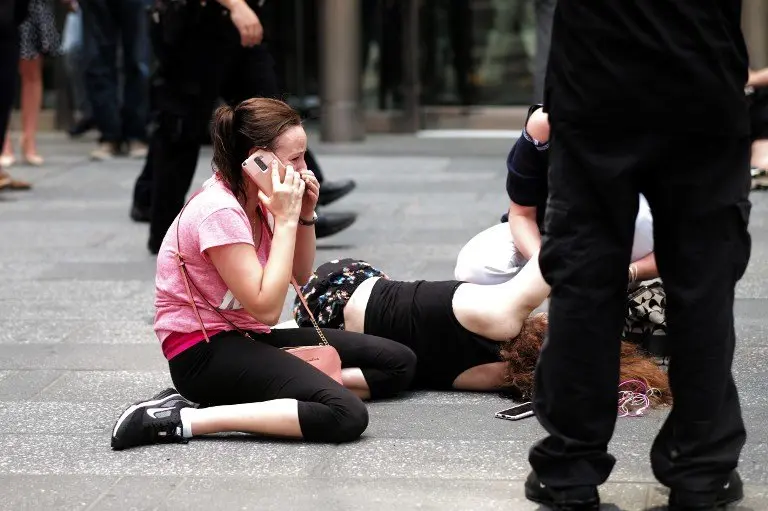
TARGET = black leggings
(233,369)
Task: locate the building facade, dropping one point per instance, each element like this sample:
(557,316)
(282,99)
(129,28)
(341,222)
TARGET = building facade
(364,66)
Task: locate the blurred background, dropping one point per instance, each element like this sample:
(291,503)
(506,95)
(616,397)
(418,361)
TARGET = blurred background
(422,64)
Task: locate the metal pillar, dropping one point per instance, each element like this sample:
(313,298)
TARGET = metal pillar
(411,121)
(755,27)
(340,110)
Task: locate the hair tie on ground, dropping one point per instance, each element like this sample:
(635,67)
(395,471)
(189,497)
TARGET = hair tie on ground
(636,398)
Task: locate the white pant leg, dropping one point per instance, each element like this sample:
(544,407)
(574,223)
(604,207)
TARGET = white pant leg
(489,258)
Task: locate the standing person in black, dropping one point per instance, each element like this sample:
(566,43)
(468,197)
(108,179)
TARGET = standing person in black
(12,14)
(617,69)
(204,51)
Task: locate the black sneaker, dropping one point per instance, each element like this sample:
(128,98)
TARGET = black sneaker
(329,224)
(577,498)
(149,422)
(140,214)
(731,492)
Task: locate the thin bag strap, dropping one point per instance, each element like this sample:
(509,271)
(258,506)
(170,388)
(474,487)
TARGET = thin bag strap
(188,284)
(295,284)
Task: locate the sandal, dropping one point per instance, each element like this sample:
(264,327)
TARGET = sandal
(6,181)
(30,157)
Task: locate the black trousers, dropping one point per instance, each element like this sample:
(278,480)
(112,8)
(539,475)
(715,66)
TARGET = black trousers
(758,114)
(12,13)
(107,25)
(697,187)
(198,62)
(233,369)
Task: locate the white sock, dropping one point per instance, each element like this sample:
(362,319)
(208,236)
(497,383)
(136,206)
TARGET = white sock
(186,422)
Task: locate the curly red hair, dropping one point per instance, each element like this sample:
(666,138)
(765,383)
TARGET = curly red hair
(522,352)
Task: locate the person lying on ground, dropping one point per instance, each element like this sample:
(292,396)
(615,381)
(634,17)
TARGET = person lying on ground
(465,336)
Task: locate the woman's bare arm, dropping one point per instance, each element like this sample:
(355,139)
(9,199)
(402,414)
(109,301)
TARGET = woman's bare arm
(646,268)
(758,78)
(262,291)
(497,312)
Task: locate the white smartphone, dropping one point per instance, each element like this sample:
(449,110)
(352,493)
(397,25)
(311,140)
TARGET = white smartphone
(516,412)
(258,167)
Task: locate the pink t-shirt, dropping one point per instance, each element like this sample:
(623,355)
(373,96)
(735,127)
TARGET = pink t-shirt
(213,218)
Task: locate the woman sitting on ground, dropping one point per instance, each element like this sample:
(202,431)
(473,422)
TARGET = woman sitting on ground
(242,378)
(496,254)
(465,336)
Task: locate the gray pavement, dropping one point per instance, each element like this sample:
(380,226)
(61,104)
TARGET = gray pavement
(76,346)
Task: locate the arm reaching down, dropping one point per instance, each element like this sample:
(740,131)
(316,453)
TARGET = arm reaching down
(525,231)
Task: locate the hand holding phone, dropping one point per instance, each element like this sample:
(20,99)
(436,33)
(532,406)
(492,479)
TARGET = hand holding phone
(285,196)
(516,412)
(258,167)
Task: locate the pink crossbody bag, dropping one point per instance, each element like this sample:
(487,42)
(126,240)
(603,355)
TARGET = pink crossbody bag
(322,356)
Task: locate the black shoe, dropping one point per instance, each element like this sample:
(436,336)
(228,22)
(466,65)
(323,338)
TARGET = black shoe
(82,127)
(331,223)
(731,492)
(151,422)
(331,191)
(139,214)
(576,498)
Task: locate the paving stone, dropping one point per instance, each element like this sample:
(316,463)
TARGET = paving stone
(51,492)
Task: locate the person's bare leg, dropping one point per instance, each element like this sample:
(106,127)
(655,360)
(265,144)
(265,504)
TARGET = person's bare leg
(31,102)
(279,417)
(353,379)
(7,147)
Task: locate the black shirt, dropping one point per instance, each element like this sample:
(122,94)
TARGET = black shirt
(420,315)
(669,65)
(527,166)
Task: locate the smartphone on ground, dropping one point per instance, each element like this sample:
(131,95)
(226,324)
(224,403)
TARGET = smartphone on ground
(516,413)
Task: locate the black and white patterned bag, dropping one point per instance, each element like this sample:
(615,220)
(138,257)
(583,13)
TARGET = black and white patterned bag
(646,320)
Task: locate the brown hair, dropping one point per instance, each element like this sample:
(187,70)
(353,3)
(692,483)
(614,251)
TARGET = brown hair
(522,352)
(255,122)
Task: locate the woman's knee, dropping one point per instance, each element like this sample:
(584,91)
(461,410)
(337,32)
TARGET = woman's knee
(400,374)
(335,419)
(353,421)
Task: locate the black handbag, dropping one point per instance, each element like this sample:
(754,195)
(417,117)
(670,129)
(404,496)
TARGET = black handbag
(645,323)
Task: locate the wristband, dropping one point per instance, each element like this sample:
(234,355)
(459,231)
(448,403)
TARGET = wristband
(309,222)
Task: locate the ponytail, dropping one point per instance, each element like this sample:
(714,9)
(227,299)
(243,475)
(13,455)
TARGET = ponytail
(224,137)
